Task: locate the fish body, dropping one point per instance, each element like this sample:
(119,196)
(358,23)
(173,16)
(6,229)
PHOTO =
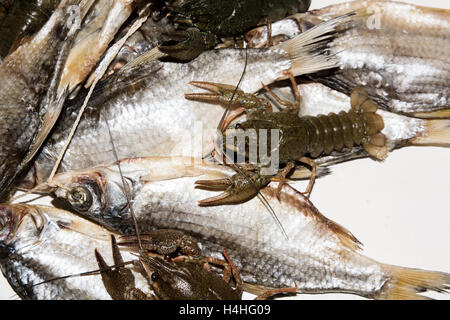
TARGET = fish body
(148,114)
(397,51)
(40,243)
(185,136)
(319,255)
(28,106)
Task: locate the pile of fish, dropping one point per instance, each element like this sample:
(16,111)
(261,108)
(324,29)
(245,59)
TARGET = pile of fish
(113,108)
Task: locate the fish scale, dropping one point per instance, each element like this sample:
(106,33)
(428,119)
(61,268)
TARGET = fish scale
(398,51)
(60,245)
(319,255)
(146,98)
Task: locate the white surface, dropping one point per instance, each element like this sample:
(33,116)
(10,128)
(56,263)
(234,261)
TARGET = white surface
(398,209)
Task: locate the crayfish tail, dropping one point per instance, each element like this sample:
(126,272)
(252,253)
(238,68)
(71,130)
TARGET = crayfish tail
(375,143)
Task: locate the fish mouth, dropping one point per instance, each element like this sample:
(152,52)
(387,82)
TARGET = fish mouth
(12,219)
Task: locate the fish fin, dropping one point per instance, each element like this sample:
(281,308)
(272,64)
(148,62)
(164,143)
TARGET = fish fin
(305,51)
(161,176)
(179,167)
(52,114)
(441,114)
(407,283)
(301,173)
(148,56)
(255,289)
(437,133)
(345,236)
(295,198)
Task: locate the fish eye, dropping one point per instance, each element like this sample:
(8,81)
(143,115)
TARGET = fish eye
(237,126)
(80,198)
(155,276)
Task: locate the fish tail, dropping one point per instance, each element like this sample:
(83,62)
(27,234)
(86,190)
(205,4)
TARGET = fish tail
(308,51)
(406,283)
(436,133)
(441,114)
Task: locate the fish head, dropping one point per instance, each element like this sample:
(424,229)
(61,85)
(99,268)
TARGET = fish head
(96,193)
(41,247)
(20,226)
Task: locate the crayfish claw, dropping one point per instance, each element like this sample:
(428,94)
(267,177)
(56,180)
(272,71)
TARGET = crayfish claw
(100,261)
(214,185)
(162,241)
(118,280)
(219,88)
(218,93)
(117,257)
(205,97)
(223,93)
(237,189)
(222,199)
(225,185)
(192,42)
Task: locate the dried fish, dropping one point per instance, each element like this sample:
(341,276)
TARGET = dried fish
(397,51)
(320,255)
(28,101)
(149,115)
(40,243)
(99,28)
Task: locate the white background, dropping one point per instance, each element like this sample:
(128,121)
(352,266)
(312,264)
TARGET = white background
(399,209)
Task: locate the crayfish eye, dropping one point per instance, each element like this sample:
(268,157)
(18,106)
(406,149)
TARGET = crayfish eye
(80,198)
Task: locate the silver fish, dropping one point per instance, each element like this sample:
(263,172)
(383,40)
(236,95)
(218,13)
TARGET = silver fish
(399,52)
(320,255)
(40,243)
(400,130)
(153,113)
(98,30)
(148,114)
(28,103)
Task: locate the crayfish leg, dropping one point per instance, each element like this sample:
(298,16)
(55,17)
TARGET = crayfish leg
(291,107)
(229,268)
(282,177)
(312,178)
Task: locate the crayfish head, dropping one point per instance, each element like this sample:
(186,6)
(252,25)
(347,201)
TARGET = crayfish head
(239,188)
